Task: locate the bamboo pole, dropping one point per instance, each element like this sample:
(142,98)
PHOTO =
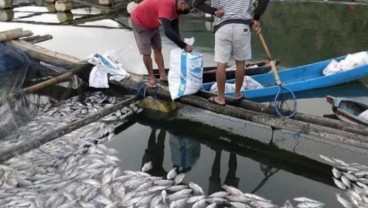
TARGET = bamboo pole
(43,84)
(15,35)
(12,31)
(37,38)
(23,45)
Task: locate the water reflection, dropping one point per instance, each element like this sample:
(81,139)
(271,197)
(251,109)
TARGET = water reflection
(155,152)
(215,183)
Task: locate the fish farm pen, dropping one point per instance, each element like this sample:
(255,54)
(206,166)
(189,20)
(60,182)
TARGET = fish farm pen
(57,136)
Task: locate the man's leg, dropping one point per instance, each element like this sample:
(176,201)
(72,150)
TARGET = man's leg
(157,52)
(143,40)
(242,51)
(147,60)
(223,49)
(221,80)
(239,78)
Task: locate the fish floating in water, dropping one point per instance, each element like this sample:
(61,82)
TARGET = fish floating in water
(78,170)
(352,178)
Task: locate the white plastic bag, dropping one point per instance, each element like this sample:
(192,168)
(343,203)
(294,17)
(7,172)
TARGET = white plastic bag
(105,65)
(229,88)
(185,74)
(351,61)
(250,83)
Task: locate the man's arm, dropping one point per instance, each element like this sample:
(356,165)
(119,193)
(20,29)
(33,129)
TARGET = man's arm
(260,8)
(203,7)
(171,30)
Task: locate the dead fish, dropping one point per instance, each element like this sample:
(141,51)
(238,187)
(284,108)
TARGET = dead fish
(221,194)
(350,176)
(336,172)
(178,203)
(179,195)
(155,201)
(346,181)
(200,204)
(177,188)
(147,166)
(196,188)
(194,199)
(238,198)
(239,205)
(163,182)
(179,178)
(339,184)
(343,201)
(328,159)
(306,199)
(171,174)
(232,190)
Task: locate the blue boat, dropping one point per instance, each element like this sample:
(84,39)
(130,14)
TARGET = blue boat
(299,78)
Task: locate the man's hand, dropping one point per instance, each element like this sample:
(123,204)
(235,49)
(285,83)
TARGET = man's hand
(188,48)
(256,26)
(219,12)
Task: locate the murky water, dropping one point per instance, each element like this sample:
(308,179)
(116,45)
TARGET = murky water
(296,33)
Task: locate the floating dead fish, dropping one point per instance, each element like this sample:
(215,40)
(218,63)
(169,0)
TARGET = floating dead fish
(147,166)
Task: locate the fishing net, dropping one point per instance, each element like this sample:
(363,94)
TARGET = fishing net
(19,71)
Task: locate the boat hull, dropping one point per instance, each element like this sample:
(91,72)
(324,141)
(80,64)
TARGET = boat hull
(347,109)
(300,78)
(209,73)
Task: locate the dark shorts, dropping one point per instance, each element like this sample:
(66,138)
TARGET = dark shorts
(147,39)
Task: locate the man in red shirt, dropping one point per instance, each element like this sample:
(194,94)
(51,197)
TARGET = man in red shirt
(147,18)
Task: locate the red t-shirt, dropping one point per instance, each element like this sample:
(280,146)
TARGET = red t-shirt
(148,12)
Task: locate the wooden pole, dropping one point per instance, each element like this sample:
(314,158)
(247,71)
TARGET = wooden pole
(15,35)
(34,88)
(23,45)
(37,38)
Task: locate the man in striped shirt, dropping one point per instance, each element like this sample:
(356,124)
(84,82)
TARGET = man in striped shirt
(232,21)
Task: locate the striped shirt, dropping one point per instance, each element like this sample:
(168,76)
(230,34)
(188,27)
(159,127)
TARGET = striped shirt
(233,9)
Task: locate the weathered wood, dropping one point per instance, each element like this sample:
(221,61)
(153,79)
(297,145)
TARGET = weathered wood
(23,45)
(258,117)
(327,122)
(15,35)
(43,84)
(12,31)
(37,38)
(31,143)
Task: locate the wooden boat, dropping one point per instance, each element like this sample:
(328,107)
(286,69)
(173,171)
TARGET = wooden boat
(300,78)
(348,110)
(252,68)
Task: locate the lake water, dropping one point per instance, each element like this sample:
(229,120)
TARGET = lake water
(296,33)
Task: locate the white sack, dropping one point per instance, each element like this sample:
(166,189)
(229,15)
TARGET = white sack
(105,65)
(185,74)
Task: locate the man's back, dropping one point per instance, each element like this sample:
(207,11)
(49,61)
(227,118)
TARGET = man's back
(233,9)
(148,12)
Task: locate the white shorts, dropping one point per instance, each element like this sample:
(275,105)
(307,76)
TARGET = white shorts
(233,38)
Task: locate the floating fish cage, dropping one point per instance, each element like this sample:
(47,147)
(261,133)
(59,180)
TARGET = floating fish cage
(33,117)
